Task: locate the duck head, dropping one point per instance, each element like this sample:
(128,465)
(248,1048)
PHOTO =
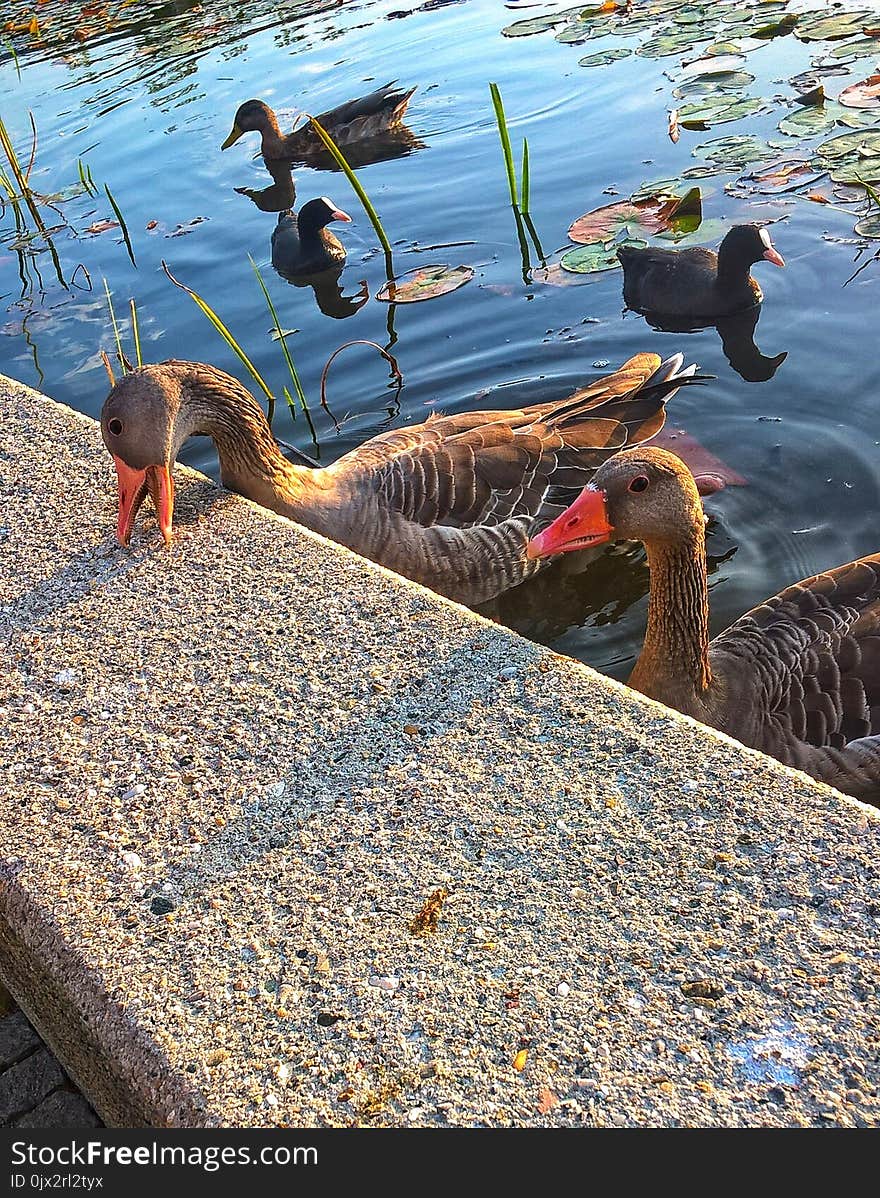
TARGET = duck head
(318,213)
(642,494)
(747,244)
(139,427)
(252,117)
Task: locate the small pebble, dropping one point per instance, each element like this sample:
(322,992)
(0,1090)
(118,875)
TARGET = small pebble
(563,989)
(385,983)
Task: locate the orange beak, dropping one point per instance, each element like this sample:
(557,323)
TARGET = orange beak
(580,526)
(132,486)
(774,256)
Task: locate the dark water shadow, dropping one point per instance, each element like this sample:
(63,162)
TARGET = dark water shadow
(737,333)
(279,195)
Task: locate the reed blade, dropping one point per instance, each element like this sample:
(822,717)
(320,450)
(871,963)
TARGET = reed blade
(291,366)
(524,179)
(136,332)
(122,224)
(119,354)
(224,332)
(340,160)
(498,105)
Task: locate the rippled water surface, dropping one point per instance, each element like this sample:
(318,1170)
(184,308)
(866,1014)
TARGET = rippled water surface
(145,104)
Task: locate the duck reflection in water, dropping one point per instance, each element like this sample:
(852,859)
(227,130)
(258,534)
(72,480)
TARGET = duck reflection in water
(737,333)
(279,196)
(306,254)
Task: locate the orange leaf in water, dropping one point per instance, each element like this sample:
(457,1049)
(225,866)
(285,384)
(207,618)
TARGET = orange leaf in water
(519,1061)
(34,27)
(674,132)
(818,198)
(101,226)
(547,1100)
(151,224)
(862,95)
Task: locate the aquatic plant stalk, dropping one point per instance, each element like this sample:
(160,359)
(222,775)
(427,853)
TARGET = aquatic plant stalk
(524,179)
(340,160)
(223,331)
(122,224)
(120,355)
(498,105)
(297,385)
(135,332)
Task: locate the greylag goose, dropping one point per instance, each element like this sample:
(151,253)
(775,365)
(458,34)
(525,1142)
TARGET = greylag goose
(797,677)
(372,116)
(697,282)
(302,244)
(449,503)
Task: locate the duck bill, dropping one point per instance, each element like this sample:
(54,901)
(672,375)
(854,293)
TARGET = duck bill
(774,256)
(132,487)
(338,214)
(580,526)
(233,137)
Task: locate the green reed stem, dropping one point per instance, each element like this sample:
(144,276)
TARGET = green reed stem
(294,374)
(115,324)
(524,179)
(9,46)
(498,105)
(339,158)
(223,331)
(136,332)
(122,224)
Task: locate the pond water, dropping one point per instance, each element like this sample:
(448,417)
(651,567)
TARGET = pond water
(144,102)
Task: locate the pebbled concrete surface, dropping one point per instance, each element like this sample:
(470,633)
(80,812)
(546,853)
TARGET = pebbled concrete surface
(237,771)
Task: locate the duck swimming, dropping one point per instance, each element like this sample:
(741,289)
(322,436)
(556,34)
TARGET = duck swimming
(697,282)
(302,244)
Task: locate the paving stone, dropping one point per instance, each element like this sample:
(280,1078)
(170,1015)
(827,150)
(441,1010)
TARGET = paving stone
(17,1039)
(62,1108)
(26,1084)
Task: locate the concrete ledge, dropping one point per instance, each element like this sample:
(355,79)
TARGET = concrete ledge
(236,770)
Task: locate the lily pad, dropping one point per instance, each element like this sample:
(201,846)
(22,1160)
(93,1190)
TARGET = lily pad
(780,28)
(424,283)
(720,110)
(592,259)
(858,143)
(710,83)
(867,169)
(737,150)
(665,44)
(862,47)
(653,214)
(862,95)
(807,122)
(602,57)
(818,26)
(532,25)
(869,226)
(786,174)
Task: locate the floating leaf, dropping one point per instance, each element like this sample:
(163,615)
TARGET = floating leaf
(533,25)
(673,127)
(779,28)
(783,175)
(862,47)
(602,57)
(862,95)
(856,172)
(665,44)
(807,122)
(737,150)
(819,27)
(654,214)
(709,83)
(719,110)
(869,226)
(592,259)
(424,283)
(864,143)
(815,95)
(100,226)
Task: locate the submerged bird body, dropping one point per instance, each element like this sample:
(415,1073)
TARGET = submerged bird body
(797,677)
(697,282)
(301,243)
(371,116)
(449,503)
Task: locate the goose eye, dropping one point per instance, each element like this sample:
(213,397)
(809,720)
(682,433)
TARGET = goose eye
(639,483)
(114,426)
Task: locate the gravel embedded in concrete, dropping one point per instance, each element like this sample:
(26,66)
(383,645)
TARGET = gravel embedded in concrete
(239,769)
